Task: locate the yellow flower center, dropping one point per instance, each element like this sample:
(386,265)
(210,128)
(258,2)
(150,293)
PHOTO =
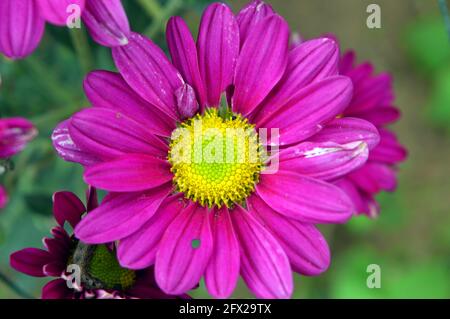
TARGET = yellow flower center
(216,158)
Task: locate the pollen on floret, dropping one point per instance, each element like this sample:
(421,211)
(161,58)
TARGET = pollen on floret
(216,158)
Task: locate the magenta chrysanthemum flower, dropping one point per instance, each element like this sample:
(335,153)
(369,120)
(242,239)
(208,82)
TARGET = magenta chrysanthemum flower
(22,23)
(15,133)
(193,217)
(101,277)
(372,101)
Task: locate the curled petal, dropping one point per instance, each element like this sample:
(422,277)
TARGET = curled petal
(326,161)
(348,130)
(67,149)
(107,22)
(186,102)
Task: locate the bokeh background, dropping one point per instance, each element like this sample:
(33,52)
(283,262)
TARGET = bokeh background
(411,238)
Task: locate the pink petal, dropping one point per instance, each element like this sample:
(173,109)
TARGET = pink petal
(312,61)
(325,161)
(184,55)
(264,265)
(389,150)
(382,115)
(304,198)
(57,12)
(348,130)
(251,15)
(3,197)
(109,90)
(15,133)
(261,64)
(30,261)
(353,193)
(21,27)
(309,110)
(186,102)
(120,215)
(147,70)
(67,207)
(218,50)
(129,173)
(222,272)
(107,22)
(304,245)
(138,250)
(179,263)
(106,134)
(57,289)
(375,177)
(67,149)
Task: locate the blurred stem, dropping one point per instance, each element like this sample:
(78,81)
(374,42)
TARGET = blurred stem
(152,7)
(48,80)
(8,282)
(164,14)
(81,44)
(444,10)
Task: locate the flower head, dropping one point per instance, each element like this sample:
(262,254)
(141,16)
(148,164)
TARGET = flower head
(214,160)
(372,101)
(105,19)
(15,133)
(99,274)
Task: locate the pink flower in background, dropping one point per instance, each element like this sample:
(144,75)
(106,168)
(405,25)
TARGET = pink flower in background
(101,276)
(218,220)
(22,23)
(15,133)
(372,101)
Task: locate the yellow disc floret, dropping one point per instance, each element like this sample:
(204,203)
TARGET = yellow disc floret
(215,158)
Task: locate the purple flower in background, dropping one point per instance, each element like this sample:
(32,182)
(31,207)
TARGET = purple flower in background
(218,219)
(372,101)
(22,23)
(15,133)
(64,257)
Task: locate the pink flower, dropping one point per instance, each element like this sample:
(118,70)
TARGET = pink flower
(372,101)
(15,133)
(22,23)
(105,279)
(215,219)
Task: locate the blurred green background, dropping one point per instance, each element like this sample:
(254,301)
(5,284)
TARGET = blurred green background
(410,240)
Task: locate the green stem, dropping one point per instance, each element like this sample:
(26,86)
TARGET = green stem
(158,23)
(8,282)
(444,10)
(81,44)
(151,7)
(47,80)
